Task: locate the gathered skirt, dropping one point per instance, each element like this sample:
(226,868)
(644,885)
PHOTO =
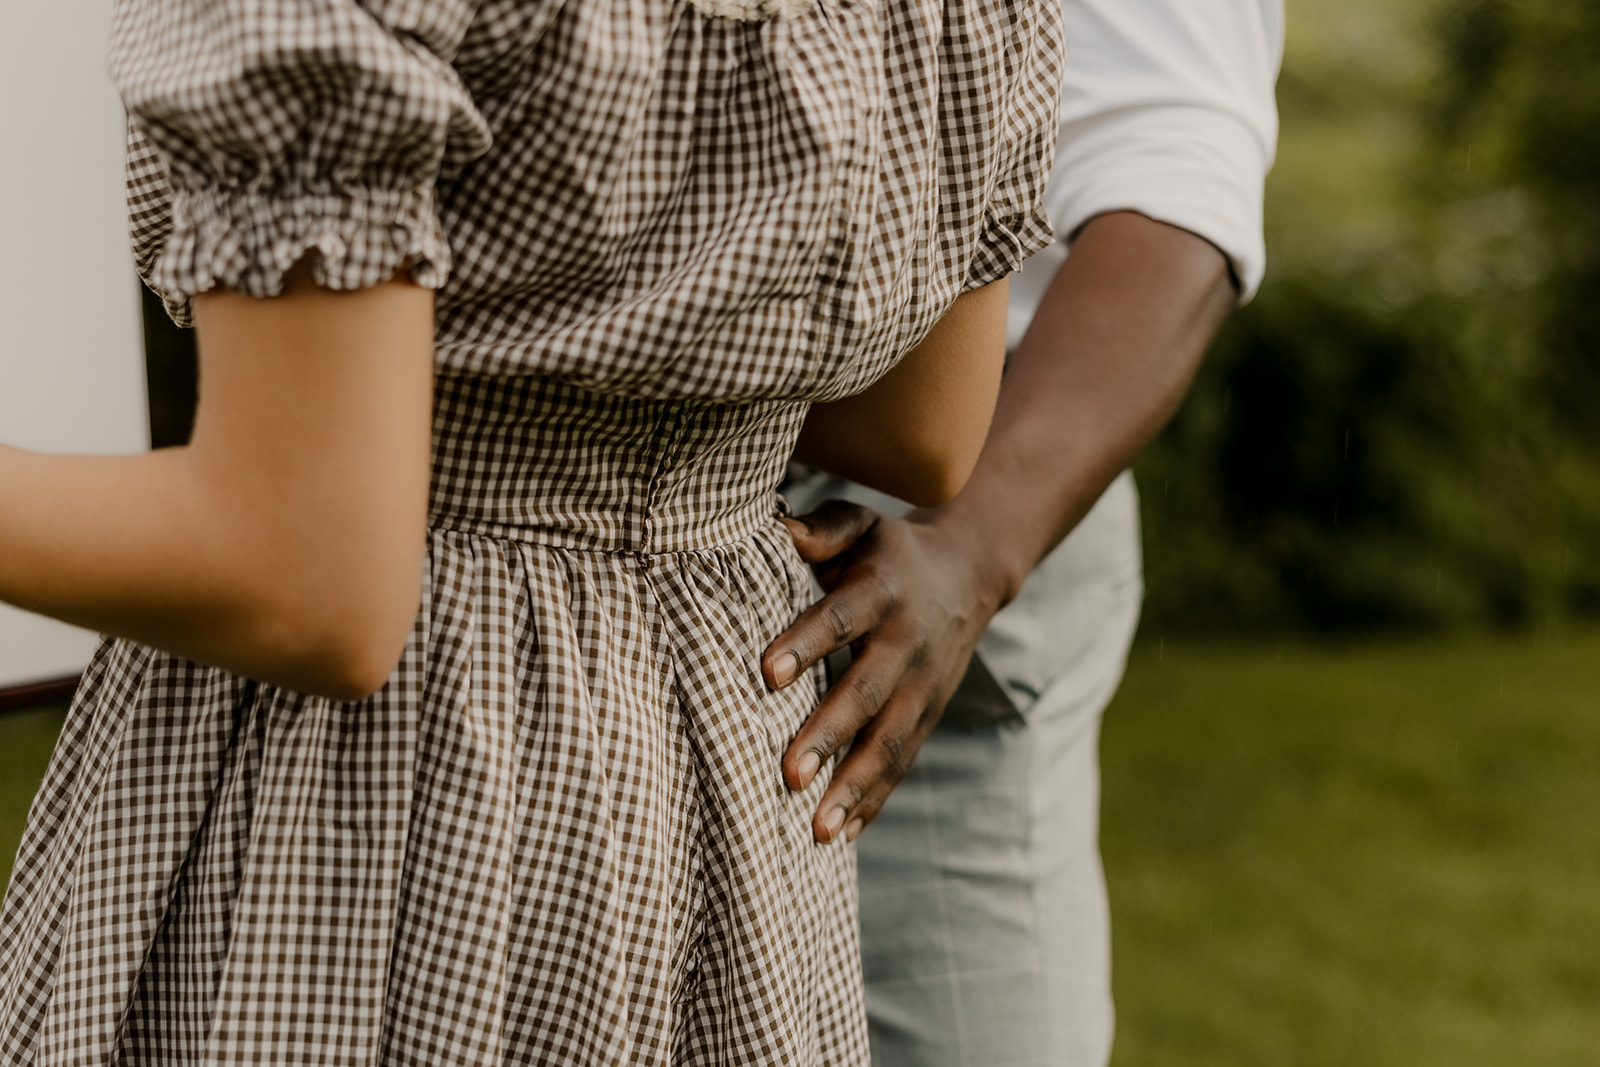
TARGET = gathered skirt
(558,835)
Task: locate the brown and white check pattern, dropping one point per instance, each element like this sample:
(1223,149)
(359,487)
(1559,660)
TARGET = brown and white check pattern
(559,834)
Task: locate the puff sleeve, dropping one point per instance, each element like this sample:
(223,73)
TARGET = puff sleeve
(1026,65)
(1168,111)
(260,130)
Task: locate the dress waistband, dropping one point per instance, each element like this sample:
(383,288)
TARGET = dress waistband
(532,459)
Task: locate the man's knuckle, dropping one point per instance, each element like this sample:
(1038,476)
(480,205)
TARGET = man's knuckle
(893,748)
(851,792)
(894,762)
(800,645)
(896,771)
(884,590)
(919,650)
(868,695)
(828,739)
(840,620)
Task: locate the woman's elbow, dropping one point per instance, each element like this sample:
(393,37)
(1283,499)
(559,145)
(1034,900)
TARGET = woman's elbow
(358,669)
(908,461)
(342,643)
(936,472)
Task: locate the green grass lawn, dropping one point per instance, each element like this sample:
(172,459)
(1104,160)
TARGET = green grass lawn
(25,742)
(1379,856)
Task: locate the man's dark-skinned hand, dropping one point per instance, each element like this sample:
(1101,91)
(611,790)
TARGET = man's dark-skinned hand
(915,599)
(1106,361)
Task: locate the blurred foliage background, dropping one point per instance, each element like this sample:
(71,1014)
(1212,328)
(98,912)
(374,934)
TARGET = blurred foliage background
(1397,433)
(1361,828)
(1381,851)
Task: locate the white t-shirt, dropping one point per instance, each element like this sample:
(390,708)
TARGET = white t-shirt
(1167,110)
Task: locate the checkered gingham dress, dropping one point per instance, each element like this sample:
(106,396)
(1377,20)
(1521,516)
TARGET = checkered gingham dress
(559,834)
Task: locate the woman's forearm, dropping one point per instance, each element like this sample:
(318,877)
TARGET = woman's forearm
(141,547)
(128,545)
(284,543)
(917,432)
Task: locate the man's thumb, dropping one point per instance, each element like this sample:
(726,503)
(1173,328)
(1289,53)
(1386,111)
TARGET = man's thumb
(830,530)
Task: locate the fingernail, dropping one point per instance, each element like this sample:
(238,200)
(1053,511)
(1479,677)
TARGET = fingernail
(797,527)
(832,821)
(853,831)
(809,762)
(785,669)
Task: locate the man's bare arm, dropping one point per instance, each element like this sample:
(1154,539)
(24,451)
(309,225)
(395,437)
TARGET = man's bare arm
(1106,361)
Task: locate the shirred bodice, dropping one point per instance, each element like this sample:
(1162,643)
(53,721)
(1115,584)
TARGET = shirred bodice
(626,195)
(533,460)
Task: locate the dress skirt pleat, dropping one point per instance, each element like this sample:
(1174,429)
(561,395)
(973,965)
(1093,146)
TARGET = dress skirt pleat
(558,835)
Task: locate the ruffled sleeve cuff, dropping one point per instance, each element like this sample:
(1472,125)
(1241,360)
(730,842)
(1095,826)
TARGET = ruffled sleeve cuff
(247,242)
(1005,243)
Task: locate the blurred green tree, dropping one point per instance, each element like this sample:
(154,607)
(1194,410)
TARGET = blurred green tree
(1398,432)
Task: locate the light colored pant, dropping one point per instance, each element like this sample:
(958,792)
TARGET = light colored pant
(985,931)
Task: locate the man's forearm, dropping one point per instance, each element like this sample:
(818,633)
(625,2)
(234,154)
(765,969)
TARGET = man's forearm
(1105,362)
(1108,357)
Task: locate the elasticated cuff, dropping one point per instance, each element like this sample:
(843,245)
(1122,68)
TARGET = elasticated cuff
(248,242)
(1005,243)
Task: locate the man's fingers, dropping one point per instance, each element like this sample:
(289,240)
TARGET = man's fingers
(868,809)
(850,611)
(830,530)
(880,757)
(853,702)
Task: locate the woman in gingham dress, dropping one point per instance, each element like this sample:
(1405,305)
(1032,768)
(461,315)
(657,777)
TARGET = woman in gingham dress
(620,247)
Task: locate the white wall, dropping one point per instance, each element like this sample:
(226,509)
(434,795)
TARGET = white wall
(71,366)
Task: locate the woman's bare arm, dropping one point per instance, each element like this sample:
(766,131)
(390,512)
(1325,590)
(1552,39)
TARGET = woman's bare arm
(285,541)
(916,433)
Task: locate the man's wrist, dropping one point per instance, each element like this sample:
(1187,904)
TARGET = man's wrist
(996,567)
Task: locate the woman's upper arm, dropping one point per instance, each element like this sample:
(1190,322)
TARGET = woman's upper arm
(283,164)
(311,448)
(917,432)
